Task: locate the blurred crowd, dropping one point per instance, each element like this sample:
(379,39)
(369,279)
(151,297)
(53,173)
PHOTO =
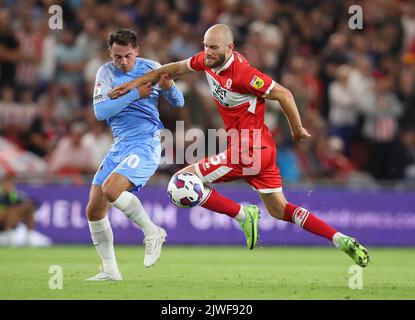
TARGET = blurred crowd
(355,88)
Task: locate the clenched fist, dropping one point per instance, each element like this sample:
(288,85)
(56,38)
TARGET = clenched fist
(145,90)
(300,134)
(165,82)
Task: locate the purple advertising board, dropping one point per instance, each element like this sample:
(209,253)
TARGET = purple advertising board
(377,218)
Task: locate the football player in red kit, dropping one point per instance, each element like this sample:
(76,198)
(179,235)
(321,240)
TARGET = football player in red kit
(239,91)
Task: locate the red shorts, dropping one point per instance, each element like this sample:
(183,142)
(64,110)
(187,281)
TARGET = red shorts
(259,168)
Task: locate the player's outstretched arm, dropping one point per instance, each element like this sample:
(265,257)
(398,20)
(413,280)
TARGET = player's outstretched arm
(287,102)
(174,70)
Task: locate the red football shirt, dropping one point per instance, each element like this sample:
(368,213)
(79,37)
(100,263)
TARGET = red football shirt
(238,90)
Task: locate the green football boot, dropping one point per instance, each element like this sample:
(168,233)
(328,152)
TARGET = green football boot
(355,250)
(250,226)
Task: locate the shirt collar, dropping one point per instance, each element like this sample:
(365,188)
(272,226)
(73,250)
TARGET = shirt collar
(226,65)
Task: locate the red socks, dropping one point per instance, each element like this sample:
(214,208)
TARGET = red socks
(305,219)
(300,216)
(221,204)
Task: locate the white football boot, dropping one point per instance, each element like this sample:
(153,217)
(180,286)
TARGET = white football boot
(105,276)
(153,244)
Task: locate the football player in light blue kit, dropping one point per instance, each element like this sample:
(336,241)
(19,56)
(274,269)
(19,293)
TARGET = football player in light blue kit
(135,153)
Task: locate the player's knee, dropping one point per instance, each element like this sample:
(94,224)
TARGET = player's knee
(94,211)
(110,193)
(89,210)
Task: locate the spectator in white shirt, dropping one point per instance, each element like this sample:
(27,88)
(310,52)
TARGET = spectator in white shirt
(343,112)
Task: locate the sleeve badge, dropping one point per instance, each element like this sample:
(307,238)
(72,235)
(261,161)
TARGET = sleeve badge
(256,82)
(98,88)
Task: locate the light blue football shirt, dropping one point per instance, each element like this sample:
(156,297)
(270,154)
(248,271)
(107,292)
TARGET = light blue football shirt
(130,117)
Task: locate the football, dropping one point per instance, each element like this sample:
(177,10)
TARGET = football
(185,190)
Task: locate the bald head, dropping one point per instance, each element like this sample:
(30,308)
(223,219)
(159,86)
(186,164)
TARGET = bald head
(218,43)
(220,32)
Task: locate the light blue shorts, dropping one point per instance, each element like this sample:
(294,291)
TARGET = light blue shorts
(137,161)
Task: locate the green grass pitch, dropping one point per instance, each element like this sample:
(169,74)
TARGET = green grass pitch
(208,273)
